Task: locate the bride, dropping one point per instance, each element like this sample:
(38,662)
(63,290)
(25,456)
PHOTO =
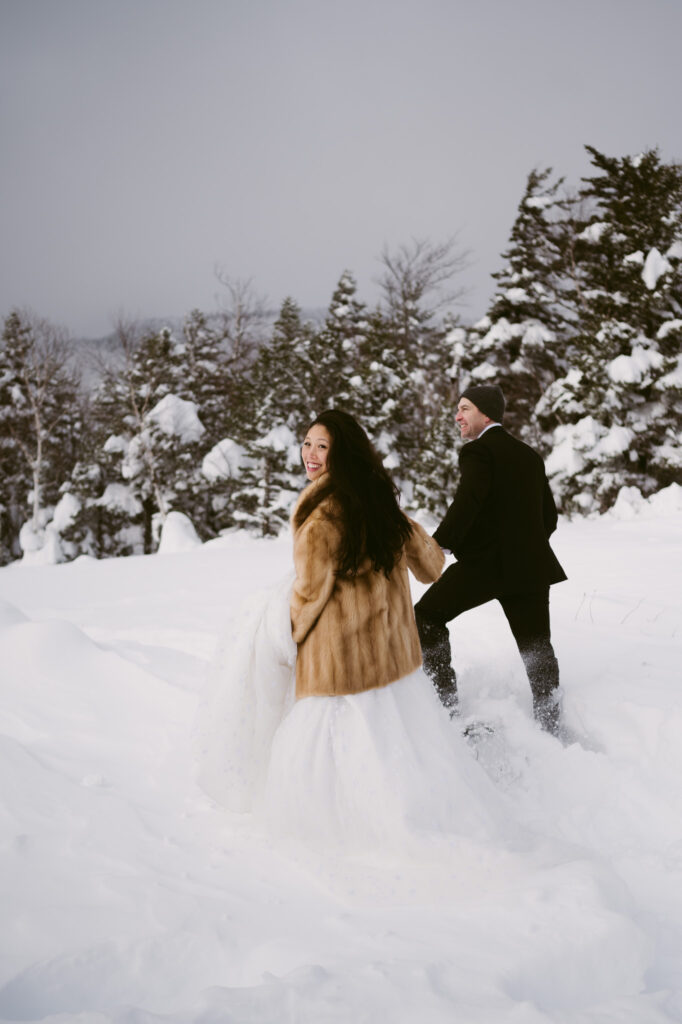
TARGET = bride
(321,719)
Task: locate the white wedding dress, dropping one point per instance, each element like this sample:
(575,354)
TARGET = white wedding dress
(380,768)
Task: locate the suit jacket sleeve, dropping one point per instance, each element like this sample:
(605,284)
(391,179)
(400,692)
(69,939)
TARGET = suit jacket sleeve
(315,547)
(424,557)
(549,513)
(474,486)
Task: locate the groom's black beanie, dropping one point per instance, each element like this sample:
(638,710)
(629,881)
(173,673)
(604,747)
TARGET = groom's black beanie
(488,398)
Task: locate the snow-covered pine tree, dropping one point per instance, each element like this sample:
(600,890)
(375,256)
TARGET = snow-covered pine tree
(333,351)
(617,411)
(109,517)
(40,428)
(380,390)
(521,343)
(437,481)
(211,371)
(417,287)
(202,375)
(279,412)
(144,453)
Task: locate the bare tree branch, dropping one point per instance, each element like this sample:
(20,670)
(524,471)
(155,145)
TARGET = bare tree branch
(419,276)
(243,316)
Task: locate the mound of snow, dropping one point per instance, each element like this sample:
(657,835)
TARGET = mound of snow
(631,503)
(178,534)
(40,546)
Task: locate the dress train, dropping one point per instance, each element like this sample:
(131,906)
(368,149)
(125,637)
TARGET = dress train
(380,768)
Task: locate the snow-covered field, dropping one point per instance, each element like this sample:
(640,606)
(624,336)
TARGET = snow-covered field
(126,895)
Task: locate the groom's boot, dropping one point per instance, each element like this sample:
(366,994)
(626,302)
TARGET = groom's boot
(435,641)
(542,669)
(528,616)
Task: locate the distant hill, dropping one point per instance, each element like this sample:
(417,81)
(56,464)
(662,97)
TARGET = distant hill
(93,355)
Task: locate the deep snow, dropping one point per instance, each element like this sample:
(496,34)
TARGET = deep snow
(128,896)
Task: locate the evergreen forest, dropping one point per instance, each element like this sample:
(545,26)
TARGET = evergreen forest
(583,333)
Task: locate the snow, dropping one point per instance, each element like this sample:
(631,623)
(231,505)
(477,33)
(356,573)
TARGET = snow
(539,202)
(655,266)
(129,897)
(516,295)
(615,440)
(177,417)
(116,443)
(282,439)
(42,543)
(630,503)
(501,331)
(224,461)
(667,328)
(484,371)
(120,498)
(635,257)
(456,336)
(594,232)
(65,512)
(674,378)
(571,441)
(536,335)
(674,252)
(30,537)
(177,534)
(634,368)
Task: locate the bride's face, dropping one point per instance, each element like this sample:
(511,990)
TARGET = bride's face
(315,451)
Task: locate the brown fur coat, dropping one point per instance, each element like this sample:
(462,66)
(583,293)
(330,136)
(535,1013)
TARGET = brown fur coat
(353,633)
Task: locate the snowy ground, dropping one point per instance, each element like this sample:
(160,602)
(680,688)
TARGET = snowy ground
(127,896)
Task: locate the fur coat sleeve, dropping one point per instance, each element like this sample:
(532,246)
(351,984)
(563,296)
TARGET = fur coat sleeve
(315,547)
(425,558)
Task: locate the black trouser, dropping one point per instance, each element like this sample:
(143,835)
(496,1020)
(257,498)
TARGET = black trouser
(462,587)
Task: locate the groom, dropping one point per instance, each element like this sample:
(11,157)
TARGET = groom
(497,527)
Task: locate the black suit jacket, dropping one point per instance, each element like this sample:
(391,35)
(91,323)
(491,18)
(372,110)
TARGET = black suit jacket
(503,514)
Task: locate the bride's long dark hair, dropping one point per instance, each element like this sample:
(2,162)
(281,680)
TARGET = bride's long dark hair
(373,525)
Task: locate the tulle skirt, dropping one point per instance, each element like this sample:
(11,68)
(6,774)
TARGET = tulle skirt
(381,768)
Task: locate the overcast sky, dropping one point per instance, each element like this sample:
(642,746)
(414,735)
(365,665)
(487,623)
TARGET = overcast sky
(145,142)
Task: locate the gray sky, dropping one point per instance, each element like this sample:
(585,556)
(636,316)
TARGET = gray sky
(144,142)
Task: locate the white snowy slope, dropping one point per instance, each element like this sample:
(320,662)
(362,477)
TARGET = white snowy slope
(128,896)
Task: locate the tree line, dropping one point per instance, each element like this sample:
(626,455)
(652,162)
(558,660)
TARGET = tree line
(583,334)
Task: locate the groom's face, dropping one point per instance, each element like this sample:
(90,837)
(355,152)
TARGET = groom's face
(470,419)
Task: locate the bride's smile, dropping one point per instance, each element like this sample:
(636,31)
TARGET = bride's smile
(315,451)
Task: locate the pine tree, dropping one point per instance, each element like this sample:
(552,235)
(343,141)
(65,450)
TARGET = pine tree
(202,375)
(137,469)
(211,371)
(40,425)
(417,288)
(617,410)
(381,391)
(279,413)
(437,481)
(332,353)
(522,344)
